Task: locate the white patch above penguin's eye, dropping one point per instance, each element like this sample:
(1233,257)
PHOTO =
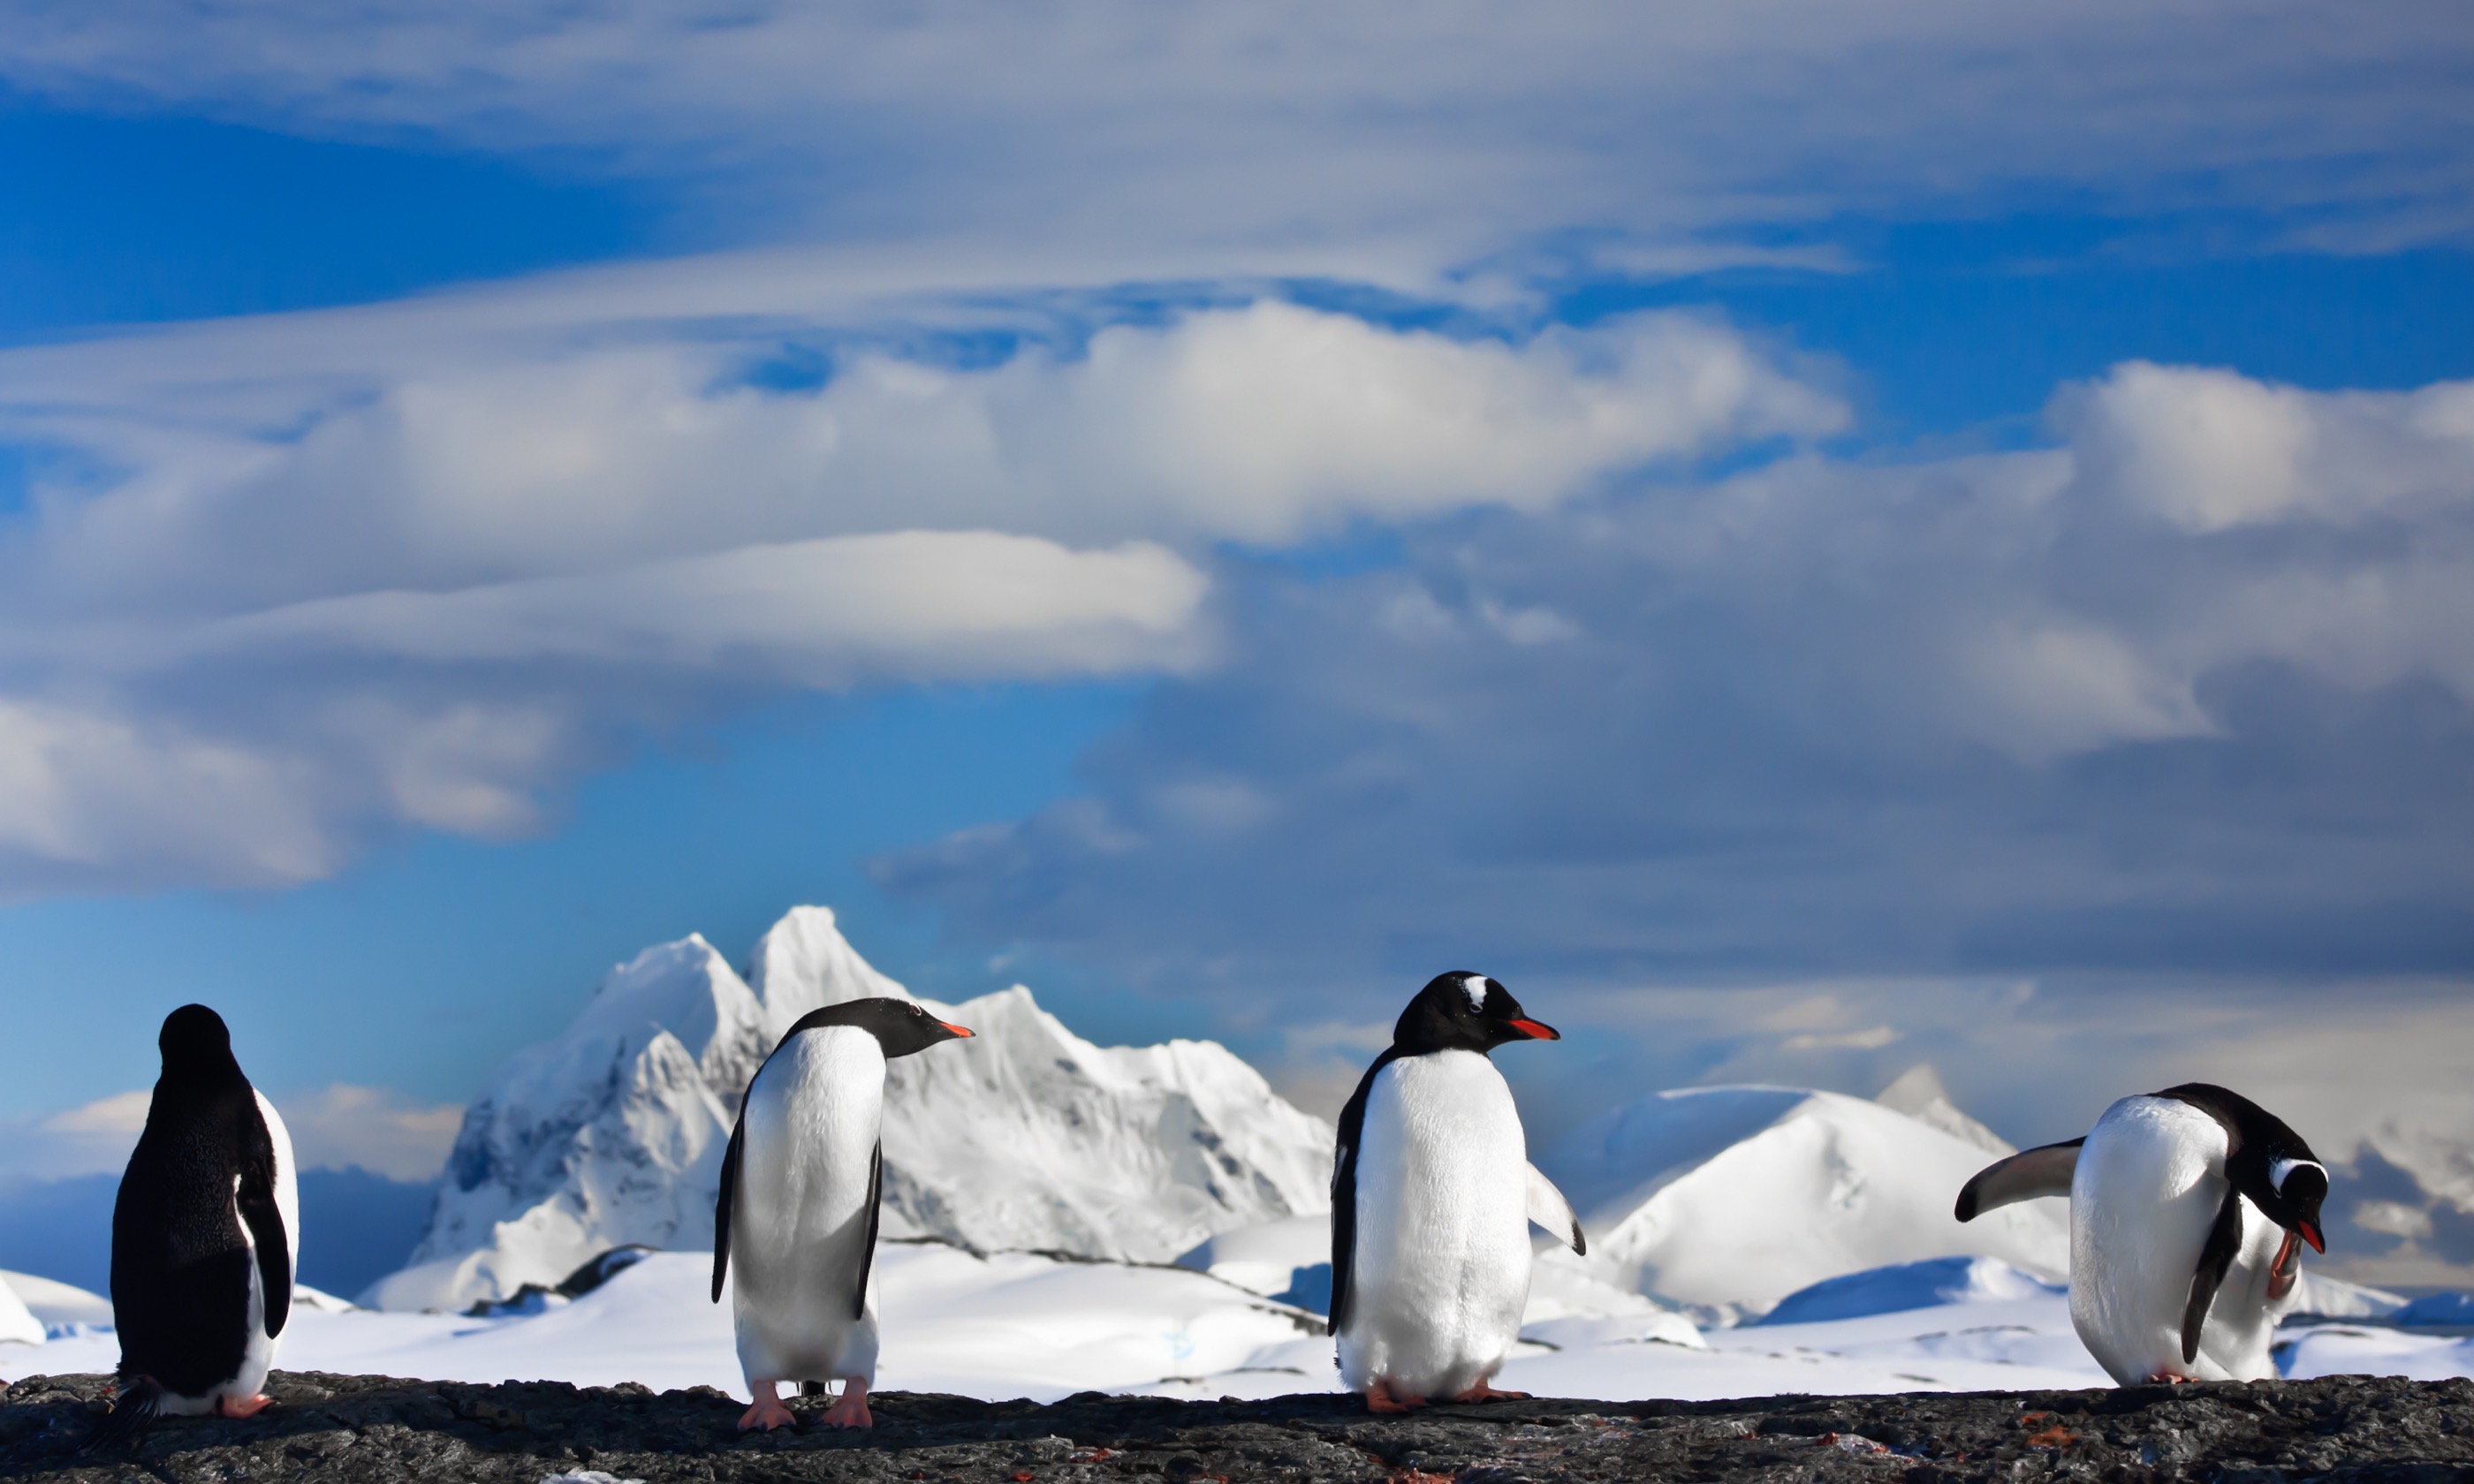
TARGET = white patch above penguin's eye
(2278,1171)
(1474,987)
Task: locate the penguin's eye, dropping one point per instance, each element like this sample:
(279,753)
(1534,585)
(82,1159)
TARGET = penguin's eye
(2283,1170)
(1474,987)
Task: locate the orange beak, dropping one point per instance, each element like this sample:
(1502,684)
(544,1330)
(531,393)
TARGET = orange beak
(959,1030)
(1535,1030)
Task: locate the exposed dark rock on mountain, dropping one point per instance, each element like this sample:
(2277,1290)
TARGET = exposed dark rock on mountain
(374,1430)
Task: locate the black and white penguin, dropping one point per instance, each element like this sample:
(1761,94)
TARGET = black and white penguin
(206,1235)
(797,1210)
(1431,1199)
(2187,1210)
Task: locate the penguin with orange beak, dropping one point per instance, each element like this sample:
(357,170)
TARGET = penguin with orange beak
(2189,1208)
(800,1186)
(1432,1195)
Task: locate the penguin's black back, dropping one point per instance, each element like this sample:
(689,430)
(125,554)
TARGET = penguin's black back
(180,1258)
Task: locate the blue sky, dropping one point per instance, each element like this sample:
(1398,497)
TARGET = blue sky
(1807,567)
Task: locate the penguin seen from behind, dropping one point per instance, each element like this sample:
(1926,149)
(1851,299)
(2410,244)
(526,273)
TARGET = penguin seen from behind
(1432,1194)
(2187,1210)
(206,1235)
(800,1184)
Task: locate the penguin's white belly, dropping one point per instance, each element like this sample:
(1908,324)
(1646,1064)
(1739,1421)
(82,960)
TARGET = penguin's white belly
(2149,1182)
(2241,1325)
(1440,1272)
(799,1223)
(258,1347)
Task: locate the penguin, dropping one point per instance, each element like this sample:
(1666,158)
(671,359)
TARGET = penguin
(205,1236)
(2187,1210)
(1432,1193)
(800,1183)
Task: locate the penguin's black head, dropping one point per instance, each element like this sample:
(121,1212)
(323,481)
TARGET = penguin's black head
(2269,1162)
(194,1037)
(2299,1186)
(1464,1012)
(899,1027)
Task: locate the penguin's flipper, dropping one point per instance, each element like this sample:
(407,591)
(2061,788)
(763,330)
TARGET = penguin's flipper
(1548,1208)
(2224,1240)
(1343,1191)
(721,1202)
(2045,1170)
(867,1254)
(256,1202)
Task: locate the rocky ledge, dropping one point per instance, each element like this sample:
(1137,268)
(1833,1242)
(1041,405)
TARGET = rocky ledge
(380,1430)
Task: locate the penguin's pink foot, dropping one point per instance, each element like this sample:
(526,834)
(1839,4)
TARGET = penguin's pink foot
(1379,1398)
(766,1411)
(229,1405)
(1483,1392)
(850,1409)
(2167,1378)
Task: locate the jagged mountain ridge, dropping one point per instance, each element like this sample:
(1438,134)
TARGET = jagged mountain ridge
(1025,1137)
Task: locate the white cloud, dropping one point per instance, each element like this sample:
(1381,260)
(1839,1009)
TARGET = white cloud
(380,1130)
(1417,140)
(1985,713)
(289,598)
(2211,450)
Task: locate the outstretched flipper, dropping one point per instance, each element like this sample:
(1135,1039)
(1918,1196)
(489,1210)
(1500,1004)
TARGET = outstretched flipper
(1548,1208)
(721,1202)
(2224,1240)
(2045,1170)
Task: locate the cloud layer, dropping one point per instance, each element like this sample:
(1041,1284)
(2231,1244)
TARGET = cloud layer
(2192,690)
(1410,142)
(271,600)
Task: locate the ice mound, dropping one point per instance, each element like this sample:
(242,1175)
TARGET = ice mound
(1743,1195)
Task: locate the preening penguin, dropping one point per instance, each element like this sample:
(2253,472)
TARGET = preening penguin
(797,1210)
(206,1235)
(1432,1194)
(2187,1210)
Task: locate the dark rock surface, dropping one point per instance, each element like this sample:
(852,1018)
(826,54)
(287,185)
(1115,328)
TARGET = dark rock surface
(379,1430)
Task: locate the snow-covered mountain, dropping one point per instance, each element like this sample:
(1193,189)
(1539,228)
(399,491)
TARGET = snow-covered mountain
(1737,1196)
(1025,1137)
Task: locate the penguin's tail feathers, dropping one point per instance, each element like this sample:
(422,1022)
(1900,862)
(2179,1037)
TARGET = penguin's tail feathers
(141,1402)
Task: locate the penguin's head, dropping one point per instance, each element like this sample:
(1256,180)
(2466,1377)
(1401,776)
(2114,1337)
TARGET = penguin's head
(2269,1163)
(899,1027)
(1464,1012)
(194,1037)
(2296,1187)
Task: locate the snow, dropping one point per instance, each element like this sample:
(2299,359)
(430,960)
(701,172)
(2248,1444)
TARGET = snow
(1006,1324)
(19,1324)
(1919,1093)
(1737,1196)
(56,1302)
(1025,1137)
(1270,1258)
(2347,1350)
(1910,1285)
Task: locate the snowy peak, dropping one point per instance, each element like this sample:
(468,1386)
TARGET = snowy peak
(689,990)
(1742,1195)
(1918,1092)
(1025,1137)
(1030,1137)
(804,963)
